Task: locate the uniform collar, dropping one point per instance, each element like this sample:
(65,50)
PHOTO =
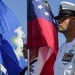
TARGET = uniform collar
(66,46)
(35,59)
(71,44)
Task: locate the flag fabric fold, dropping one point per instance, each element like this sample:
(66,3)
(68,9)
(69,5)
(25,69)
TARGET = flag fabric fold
(3,70)
(42,32)
(10,41)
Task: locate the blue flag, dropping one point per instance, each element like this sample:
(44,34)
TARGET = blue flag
(10,41)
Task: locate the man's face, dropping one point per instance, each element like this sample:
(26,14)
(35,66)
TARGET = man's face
(65,24)
(33,51)
(24,51)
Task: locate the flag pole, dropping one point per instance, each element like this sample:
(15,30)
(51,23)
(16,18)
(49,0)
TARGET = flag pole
(28,51)
(0,69)
(28,56)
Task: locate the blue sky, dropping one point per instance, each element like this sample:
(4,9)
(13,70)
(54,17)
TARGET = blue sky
(19,9)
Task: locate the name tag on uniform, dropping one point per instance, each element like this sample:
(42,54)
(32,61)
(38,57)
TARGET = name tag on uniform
(68,56)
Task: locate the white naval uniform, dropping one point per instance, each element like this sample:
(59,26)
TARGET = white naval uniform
(65,62)
(33,66)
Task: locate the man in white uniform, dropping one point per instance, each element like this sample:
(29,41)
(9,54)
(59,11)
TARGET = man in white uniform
(33,59)
(65,62)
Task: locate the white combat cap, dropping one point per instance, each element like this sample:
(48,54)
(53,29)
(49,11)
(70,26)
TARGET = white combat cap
(66,9)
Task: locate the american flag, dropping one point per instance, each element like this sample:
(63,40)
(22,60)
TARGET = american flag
(42,32)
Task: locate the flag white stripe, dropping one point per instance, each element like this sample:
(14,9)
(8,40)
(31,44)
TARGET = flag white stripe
(44,53)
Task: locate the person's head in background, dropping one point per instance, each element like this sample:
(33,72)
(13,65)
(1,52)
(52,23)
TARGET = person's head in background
(33,51)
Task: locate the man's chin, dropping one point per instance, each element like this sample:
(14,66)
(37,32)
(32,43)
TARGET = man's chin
(61,30)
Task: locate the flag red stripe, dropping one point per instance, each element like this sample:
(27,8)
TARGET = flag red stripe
(41,32)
